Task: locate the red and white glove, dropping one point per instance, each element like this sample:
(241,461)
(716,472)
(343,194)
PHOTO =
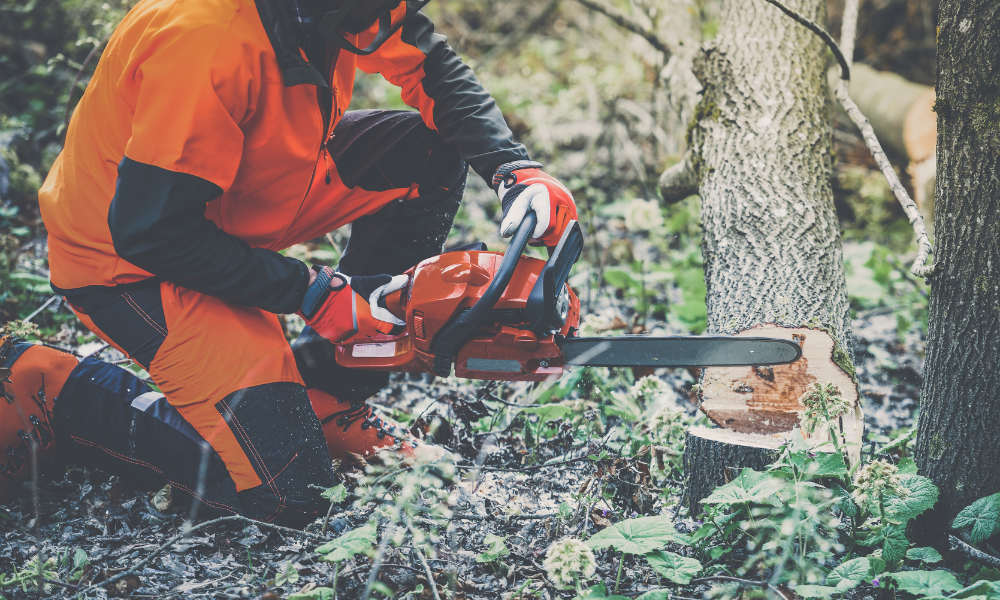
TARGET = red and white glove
(348,309)
(521,185)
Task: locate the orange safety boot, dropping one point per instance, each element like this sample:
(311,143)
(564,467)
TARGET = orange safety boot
(355,428)
(31,377)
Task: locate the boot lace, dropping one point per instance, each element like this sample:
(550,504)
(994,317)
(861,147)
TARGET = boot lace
(361,412)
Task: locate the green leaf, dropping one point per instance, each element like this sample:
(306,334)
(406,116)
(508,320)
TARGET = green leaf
(289,574)
(906,466)
(984,517)
(924,554)
(356,541)
(981,590)
(320,593)
(826,464)
(815,591)
(660,594)
(495,549)
(620,279)
(893,540)
(674,567)
(987,574)
(80,558)
(923,495)
(878,565)
(849,575)
(636,536)
(847,504)
(750,486)
(335,494)
(927,583)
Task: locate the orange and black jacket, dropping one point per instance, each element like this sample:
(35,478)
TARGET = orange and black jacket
(204,127)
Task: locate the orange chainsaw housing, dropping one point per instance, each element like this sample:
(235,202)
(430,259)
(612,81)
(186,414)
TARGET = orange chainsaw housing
(502,346)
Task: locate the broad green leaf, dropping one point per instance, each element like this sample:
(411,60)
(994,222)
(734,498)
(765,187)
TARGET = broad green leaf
(636,536)
(660,594)
(927,583)
(925,554)
(982,590)
(847,504)
(750,486)
(923,494)
(620,279)
(335,494)
(320,593)
(289,574)
(815,591)
(984,517)
(674,567)
(826,464)
(495,549)
(906,466)
(80,558)
(849,575)
(892,539)
(987,574)
(878,565)
(355,541)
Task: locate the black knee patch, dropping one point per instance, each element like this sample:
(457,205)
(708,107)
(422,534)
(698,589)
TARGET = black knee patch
(281,435)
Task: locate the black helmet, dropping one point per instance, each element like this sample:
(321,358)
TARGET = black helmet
(330,25)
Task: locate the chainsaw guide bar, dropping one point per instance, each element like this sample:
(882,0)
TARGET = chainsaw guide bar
(678,351)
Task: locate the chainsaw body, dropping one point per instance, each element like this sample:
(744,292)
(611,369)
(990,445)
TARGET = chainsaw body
(513,340)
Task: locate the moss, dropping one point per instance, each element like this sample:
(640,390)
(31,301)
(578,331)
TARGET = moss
(938,447)
(838,356)
(941,106)
(706,109)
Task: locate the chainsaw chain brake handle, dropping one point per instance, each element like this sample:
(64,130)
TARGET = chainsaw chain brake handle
(542,306)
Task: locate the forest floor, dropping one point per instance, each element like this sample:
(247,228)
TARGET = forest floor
(496,514)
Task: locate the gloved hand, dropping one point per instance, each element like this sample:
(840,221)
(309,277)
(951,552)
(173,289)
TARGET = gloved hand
(346,309)
(522,184)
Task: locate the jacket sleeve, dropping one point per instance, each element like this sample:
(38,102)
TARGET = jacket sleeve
(451,99)
(190,97)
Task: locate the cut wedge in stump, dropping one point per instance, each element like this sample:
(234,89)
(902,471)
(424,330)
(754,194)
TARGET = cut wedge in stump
(756,408)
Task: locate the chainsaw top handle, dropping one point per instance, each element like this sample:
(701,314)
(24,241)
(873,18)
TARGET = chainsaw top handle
(451,336)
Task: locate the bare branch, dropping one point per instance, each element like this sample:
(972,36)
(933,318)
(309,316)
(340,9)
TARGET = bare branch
(623,20)
(679,181)
(920,267)
(977,555)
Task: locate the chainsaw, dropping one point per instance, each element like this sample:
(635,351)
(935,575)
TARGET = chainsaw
(509,317)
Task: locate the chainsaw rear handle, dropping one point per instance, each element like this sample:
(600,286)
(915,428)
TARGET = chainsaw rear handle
(451,336)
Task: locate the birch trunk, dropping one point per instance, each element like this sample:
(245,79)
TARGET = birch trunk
(762,153)
(958,440)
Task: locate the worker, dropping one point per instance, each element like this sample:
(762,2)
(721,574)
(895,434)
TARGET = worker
(213,134)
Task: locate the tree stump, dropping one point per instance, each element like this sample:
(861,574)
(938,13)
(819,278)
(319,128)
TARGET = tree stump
(714,457)
(757,407)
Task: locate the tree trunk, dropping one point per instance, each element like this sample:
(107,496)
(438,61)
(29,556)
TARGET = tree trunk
(958,440)
(762,153)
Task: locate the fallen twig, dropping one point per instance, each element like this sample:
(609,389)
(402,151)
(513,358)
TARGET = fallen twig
(973,553)
(423,561)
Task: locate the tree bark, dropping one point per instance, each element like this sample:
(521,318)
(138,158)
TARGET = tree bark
(718,456)
(761,147)
(958,440)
